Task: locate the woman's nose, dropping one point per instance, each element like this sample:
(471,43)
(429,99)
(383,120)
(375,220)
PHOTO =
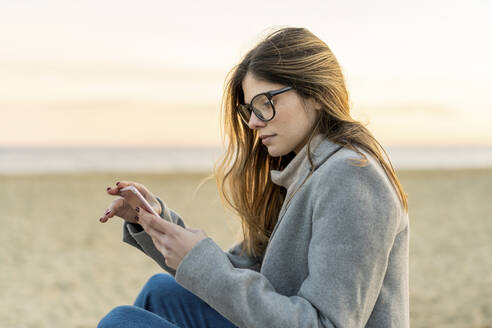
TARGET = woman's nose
(255,122)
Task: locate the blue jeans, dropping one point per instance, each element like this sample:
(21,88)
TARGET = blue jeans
(166,304)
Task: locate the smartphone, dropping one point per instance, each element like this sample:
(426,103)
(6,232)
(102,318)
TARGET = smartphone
(135,199)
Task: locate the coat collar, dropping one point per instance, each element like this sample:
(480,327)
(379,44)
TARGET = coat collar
(321,148)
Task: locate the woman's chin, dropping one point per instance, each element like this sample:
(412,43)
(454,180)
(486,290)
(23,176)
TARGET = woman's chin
(274,152)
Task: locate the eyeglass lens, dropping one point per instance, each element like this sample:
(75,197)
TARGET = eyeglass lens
(262,107)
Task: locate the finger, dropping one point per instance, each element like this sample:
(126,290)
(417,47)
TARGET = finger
(123,184)
(146,224)
(105,216)
(159,244)
(111,210)
(157,223)
(113,190)
(144,217)
(154,234)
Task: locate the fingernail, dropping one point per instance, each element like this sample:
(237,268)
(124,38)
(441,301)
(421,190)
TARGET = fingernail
(117,183)
(108,188)
(137,209)
(136,217)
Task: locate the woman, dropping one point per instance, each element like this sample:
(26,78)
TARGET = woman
(324,217)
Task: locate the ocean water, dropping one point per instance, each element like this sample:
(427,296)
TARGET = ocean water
(46,160)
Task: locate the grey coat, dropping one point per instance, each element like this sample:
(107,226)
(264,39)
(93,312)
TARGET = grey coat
(338,255)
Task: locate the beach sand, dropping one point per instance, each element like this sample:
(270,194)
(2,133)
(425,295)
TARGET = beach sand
(61,267)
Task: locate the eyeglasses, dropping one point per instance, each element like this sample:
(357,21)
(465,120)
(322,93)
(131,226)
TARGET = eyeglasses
(261,105)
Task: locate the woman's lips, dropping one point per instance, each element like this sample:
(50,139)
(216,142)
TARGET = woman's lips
(267,139)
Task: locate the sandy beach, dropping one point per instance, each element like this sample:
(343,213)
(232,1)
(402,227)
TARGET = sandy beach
(61,267)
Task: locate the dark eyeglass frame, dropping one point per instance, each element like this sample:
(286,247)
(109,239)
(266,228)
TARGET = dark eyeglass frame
(269,95)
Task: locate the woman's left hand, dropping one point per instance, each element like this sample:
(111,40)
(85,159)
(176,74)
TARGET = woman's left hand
(172,240)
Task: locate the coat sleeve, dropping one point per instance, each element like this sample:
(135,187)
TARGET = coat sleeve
(134,235)
(353,229)
(242,260)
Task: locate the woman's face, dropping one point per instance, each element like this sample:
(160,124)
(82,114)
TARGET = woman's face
(293,121)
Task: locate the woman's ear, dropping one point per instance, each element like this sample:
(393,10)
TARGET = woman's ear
(315,104)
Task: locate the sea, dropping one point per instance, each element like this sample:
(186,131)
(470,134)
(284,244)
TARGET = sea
(20,160)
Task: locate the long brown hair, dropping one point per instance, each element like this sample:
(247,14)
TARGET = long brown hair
(293,57)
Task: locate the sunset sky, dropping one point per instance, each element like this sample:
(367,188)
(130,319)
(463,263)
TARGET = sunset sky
(151,73)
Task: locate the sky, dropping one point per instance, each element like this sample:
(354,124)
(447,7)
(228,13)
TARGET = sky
(151,73)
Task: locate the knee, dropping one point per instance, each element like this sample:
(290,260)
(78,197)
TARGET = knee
(117,317)
(161,288)
(160,283)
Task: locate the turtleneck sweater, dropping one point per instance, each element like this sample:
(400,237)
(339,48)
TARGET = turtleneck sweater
(293,175)
(290,173)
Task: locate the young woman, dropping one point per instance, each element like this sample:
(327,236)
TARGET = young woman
(324,217)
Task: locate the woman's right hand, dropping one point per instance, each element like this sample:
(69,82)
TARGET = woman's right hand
(121,208)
